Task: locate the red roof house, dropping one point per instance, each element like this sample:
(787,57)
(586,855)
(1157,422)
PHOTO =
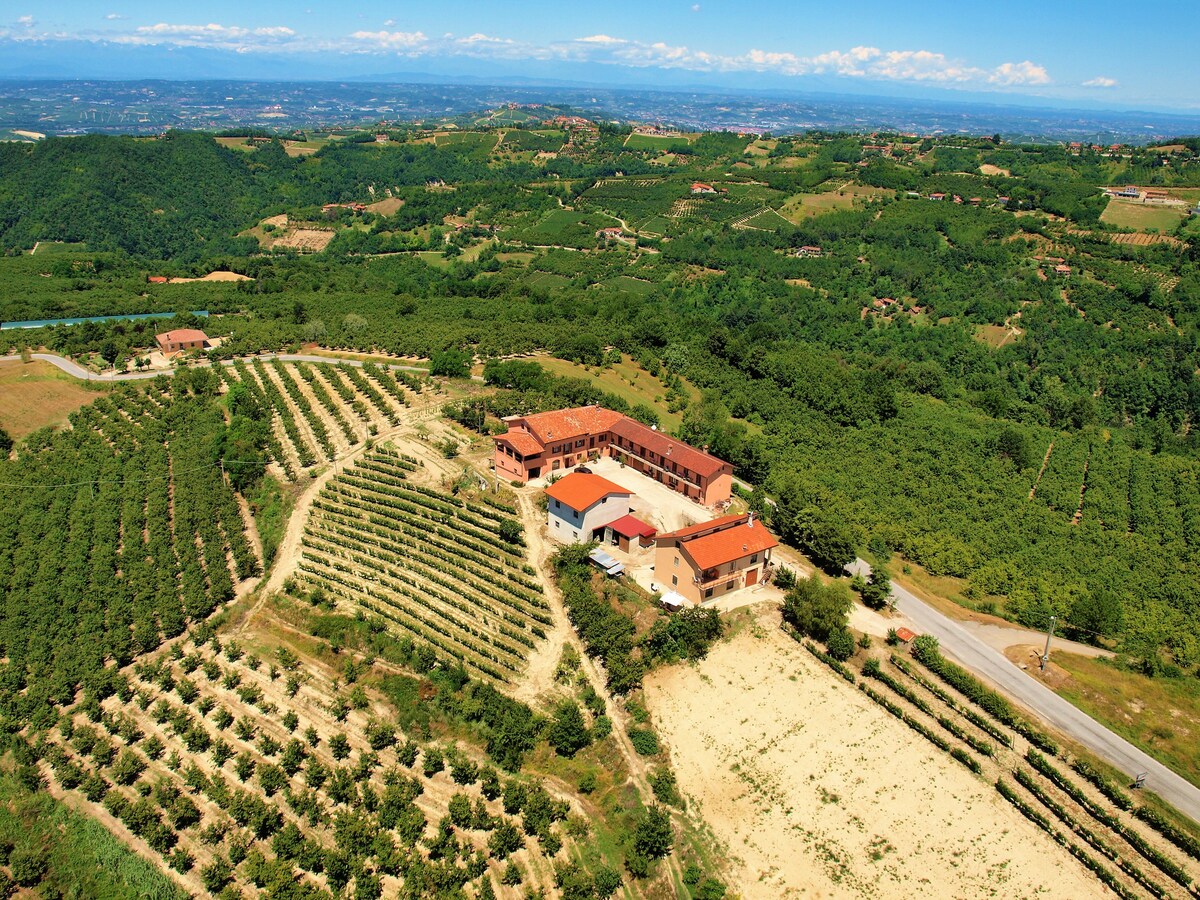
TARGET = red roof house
(182,339)
(714,558)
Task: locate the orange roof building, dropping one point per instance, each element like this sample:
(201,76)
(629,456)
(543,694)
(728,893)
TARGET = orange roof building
(709,560)
(182,339)
(582,505)
(538,445)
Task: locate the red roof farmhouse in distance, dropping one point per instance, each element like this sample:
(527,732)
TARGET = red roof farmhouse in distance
(182,339)
(539,444)
(713,558)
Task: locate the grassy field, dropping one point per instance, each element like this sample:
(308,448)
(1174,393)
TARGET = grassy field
(994,336)
(547,280)
(630,285)
(36,394)
(235,143)
(804,206)
(41,248)
(767,220)
(628,381)
(565,228)
(653,142)
(472,139)
(77,856)
(435,258)
(1159,715)
(1140,217)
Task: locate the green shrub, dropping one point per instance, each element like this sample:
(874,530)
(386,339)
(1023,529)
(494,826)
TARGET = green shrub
(644,741)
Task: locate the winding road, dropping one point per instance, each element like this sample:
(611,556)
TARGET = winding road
(75,370)
(992,665)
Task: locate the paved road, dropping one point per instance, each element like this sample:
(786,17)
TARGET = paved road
(74,369)
(977,656)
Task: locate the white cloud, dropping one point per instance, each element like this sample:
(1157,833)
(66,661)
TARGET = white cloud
(861,63)
(115,17)
(390,40)
(1019,73)
(1100,82)
(478,38)
(695,7)
(601,39)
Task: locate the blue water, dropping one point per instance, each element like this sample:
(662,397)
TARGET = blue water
(45,323)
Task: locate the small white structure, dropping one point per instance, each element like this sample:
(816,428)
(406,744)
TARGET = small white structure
(582,504)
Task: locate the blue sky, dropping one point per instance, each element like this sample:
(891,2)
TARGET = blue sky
(1052,49)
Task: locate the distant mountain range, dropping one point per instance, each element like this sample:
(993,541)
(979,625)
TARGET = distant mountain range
(278,102)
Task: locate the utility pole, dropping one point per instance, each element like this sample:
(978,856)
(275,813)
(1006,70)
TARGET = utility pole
(1049,634)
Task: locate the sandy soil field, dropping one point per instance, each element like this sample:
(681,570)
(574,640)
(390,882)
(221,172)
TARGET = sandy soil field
(305,239)
(36,394)
(817,792)
(214,276)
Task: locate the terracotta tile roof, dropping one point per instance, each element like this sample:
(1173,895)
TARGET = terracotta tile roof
(183,335)
(629,527)
(566,423)
(690,458)
(720,547)
(580,490)
(525,444)
(701,527)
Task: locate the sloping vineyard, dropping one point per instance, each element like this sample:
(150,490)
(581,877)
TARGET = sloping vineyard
(116,534)
(434,567)
(248,777)
(319,411)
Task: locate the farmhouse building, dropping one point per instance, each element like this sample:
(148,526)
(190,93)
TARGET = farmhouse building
(699,187)
(709,560)
(582,505)
(809,251)
(182,339)
(538,445)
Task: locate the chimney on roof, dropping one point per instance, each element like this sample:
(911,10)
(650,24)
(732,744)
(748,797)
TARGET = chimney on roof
(654,428)
(750,520)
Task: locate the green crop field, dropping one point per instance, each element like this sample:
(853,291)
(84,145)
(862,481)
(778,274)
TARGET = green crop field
(1142,217)
(668,144)
(565,228)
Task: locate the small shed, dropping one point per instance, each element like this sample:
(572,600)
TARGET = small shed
(905,634)
(627,530)
(611,566)
(673,601)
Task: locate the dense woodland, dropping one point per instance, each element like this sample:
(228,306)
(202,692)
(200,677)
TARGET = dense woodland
(901,433)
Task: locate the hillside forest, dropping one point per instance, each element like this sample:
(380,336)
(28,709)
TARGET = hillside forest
(983,364)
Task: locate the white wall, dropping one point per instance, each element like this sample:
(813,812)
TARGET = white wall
(571,526)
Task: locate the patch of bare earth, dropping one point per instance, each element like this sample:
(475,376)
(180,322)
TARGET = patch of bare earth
(817,792)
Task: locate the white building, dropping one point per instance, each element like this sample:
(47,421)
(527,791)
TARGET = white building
(581,505)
